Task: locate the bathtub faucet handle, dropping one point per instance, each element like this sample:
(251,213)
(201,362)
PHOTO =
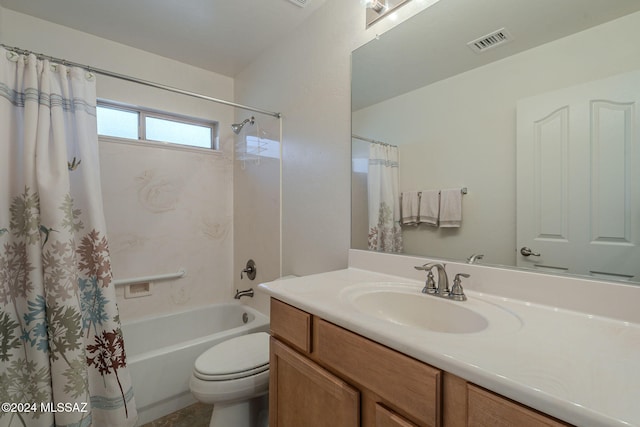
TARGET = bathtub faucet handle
(250,269)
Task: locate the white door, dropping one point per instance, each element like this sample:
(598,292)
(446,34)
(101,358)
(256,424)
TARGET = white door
(578,172)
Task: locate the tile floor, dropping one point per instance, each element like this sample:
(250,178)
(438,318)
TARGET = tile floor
(196,415)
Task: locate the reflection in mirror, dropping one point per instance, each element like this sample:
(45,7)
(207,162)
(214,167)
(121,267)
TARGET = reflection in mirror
(541,129)
(378,9)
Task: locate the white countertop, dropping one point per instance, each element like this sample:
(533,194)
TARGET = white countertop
(581,368)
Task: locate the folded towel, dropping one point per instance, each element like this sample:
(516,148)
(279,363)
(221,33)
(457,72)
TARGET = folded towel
(429,207)
(451,207)
(410,202)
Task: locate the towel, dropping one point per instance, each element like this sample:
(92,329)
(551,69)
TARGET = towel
(410,203)
(451,207)
(429,207)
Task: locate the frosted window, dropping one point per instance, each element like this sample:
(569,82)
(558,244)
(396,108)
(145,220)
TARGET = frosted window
(178,132)
(144,124)
(263,147)
(118,123)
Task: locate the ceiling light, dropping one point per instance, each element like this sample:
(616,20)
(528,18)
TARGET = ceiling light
(301,3)
(378,9)
(377,6)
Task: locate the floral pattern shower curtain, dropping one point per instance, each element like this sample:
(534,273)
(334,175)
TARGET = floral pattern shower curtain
(62,357)
(385,233)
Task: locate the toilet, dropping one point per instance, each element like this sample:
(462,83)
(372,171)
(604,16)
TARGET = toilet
(234,376)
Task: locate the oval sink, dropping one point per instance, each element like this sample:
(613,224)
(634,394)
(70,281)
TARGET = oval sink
(404,304)
(422,311)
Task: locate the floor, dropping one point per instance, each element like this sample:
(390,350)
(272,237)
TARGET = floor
(196,415)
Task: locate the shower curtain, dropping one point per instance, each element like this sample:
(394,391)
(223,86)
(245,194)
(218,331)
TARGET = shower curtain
(62,358)
(385,234)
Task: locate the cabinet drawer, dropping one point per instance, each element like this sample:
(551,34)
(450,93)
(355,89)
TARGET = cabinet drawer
(387,418)
(412,386)
(490,410)
(291,325)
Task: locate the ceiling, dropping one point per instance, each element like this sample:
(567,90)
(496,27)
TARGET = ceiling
(223,36)
(432,45)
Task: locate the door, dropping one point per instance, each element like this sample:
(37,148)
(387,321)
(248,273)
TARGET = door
(578,173)
(301,393)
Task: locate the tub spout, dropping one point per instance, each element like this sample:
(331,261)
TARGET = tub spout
(245,293)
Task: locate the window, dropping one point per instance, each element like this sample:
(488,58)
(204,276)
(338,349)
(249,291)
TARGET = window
(119,121)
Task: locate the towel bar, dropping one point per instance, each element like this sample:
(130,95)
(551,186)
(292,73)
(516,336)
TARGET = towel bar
(463,190)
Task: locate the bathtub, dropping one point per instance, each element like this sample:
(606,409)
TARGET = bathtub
(161,351)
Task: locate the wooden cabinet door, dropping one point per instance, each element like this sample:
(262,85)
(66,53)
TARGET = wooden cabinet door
(301,393)
(490,410)
(388,418)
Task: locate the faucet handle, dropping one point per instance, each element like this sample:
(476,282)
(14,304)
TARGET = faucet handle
(457,293)
(250,269)
(430,284)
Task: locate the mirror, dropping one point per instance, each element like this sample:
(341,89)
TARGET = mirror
(378,9)
(456,115)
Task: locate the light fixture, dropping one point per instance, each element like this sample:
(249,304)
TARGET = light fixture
(377,6)
(378,9)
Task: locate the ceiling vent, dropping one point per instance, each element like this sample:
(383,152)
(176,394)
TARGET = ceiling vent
(301,3)
(496,38)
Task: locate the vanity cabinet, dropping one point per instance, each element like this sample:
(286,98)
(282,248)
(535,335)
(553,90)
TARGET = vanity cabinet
(324,375)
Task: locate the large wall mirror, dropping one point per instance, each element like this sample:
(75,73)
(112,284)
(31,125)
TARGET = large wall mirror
(539,119)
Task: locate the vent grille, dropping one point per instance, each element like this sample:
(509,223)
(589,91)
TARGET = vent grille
(489,41)
(301,3)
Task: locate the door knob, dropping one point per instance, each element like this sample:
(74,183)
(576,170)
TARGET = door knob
(525,251)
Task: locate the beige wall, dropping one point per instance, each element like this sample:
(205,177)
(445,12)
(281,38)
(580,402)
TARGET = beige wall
(461,132)
(307,76)
(165,209)
(256,207)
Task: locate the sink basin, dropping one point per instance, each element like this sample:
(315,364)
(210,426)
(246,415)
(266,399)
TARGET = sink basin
(422,311)
(404,304)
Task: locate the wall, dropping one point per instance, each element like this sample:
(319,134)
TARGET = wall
(165,209)
(306,76)
(461,132)
(257,210)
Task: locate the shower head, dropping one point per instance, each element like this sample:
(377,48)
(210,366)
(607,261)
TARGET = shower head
(237,127)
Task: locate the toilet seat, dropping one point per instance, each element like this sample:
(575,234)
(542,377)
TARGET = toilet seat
(236,358)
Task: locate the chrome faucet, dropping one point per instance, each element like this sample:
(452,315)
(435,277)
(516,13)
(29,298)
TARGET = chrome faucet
(245,293)
(474,258)
(442,290)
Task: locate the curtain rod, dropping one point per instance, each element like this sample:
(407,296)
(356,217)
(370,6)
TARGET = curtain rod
(373,141)
(140,81)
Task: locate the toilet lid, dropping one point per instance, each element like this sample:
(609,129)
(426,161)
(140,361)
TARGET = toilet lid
(234,358)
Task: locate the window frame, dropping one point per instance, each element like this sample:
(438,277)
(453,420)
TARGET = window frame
(144,112)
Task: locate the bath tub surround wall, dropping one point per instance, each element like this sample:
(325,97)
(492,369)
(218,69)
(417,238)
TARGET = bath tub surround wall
(168,210)
(165,209)
(256,210)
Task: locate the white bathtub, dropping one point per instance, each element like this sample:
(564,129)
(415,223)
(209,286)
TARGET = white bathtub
(161,351)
